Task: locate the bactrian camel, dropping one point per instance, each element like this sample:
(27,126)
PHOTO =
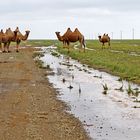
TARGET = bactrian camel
(6,38)
(20,37)
(70,36)
(103,39)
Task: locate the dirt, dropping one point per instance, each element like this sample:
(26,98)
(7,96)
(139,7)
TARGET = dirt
(29,108)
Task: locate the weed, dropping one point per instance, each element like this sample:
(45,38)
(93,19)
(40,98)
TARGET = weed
(130,90)
(105,87)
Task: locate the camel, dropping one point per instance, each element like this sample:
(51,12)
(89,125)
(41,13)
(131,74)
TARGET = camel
(6,38)
(12,35)
(70,36)
(64,37)
(20,38)
(105,38)
(76,36)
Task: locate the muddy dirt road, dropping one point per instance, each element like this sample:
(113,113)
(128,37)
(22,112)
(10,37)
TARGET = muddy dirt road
(29,109)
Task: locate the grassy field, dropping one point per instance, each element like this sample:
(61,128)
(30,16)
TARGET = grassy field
(122,59)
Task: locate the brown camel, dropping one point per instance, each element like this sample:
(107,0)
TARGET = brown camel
(105,38)
(6,38)
(20,38)
(70,36)
(76,36)
(64,37)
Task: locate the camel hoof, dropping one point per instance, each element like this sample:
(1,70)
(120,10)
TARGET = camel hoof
(17,50)
(4,51)
(9,51)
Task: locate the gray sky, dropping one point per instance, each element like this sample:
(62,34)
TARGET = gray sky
(91,17)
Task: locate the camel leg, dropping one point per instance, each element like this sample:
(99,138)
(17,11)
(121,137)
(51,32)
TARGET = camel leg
(1,46)
(4,47)
(17,47)
(80,46)
(103,46)
(83,43)
(68,46)
(109,45)
(8,46)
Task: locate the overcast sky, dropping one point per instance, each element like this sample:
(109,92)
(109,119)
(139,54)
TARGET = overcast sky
(91,17)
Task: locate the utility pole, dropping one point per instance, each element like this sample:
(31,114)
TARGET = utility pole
(121,35)
(133,33)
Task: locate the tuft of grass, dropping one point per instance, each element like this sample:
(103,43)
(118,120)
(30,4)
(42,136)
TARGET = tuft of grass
(105,87)
(132,92)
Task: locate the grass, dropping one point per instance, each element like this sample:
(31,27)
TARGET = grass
(117,60)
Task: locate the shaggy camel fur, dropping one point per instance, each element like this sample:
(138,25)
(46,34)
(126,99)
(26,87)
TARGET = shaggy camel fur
(105,38)
(70,36)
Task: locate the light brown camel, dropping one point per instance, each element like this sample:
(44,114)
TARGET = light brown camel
(6,38)
(70,36)
(64,37)
(20,38)
(103,39)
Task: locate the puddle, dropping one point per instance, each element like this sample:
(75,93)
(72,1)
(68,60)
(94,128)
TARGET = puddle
(105,117)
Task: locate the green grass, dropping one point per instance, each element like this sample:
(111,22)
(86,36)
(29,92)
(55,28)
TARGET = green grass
(118,63)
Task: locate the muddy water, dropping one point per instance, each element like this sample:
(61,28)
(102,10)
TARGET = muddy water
(111,116)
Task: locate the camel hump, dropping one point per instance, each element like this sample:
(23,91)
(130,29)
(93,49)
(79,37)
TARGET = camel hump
(76,29)
(68,29)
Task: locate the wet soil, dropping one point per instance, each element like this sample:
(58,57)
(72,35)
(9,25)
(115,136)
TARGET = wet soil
(29,108)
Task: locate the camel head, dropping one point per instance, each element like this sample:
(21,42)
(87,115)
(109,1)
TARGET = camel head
(57,33)
(27,32)
(60,38)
